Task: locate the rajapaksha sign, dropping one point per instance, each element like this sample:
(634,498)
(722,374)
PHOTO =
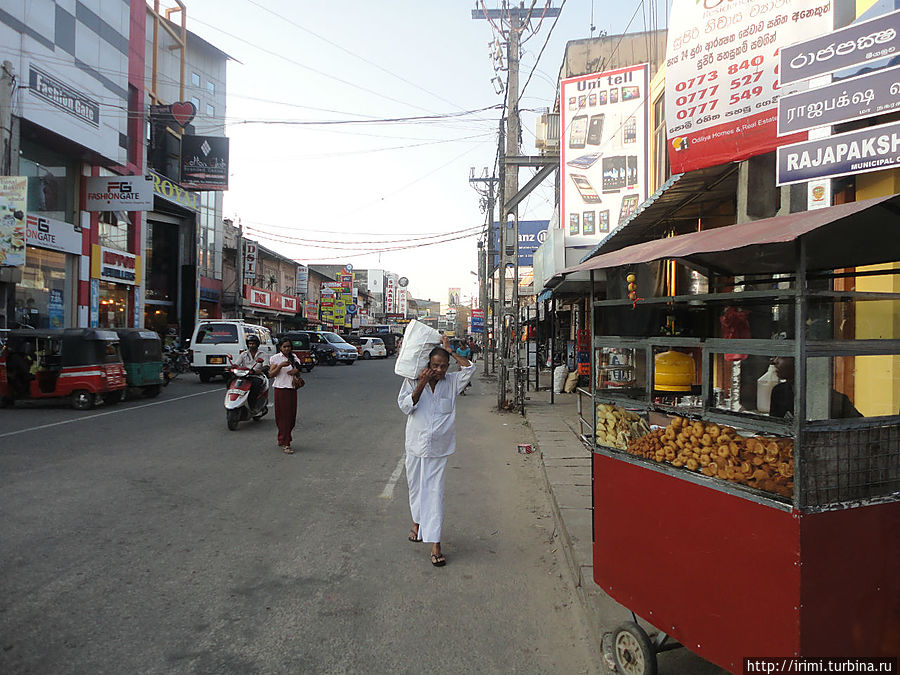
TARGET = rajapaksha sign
(118,193)
(604,124)
(874,93)
(856,44)
(722,79)
(870,149)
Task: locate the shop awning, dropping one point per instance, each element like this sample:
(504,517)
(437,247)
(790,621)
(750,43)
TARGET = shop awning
(847,235)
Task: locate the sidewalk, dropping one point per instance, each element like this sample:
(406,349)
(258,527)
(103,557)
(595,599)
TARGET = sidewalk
(567,468)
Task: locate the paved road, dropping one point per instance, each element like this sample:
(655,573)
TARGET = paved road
(147,538)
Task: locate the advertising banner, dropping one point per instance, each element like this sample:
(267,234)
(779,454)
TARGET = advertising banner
(56,235)
(604,123)
(390,289)
(204,162)
(477,320)
(869,149)
(532,233)
(857,44)
(258,297)
(874,93)
(120,267)
(118,193)
(301,286)
(722,80)
(376,281)
(311,309)
(403,304)
(453,297)
(13,200)
(250,258)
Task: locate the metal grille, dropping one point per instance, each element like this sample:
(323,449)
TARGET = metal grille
(850,466)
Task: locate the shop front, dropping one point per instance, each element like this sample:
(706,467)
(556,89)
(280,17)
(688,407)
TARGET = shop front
(171,295)
(46,295)
(210,298)
(273,310)
(115,275)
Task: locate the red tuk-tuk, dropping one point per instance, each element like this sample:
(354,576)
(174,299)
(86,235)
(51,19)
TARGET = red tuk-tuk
(83,364)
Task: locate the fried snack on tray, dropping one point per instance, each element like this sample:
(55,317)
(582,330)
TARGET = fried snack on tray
(762,462)
(617,427)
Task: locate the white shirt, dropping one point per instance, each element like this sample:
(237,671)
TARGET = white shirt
(282,379)
(431,423)
(246,360)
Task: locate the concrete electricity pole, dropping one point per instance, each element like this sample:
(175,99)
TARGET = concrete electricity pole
(7,82)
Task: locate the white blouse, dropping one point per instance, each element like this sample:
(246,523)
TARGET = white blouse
(283,379)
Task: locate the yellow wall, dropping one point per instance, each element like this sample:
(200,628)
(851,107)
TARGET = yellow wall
(877,383)
(863,5)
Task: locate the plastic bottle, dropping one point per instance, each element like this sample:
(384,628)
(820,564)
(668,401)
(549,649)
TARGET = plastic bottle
(764,387)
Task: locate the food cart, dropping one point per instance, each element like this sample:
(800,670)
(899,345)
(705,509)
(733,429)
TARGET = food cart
(734,532)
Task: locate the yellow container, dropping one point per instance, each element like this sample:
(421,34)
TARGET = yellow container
(673,371)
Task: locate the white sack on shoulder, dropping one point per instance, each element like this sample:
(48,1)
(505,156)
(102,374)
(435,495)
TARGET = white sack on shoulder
(418,341)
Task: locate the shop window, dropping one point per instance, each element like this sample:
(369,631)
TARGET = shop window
(113,229)
(114,305)
(51,181)
(43,297)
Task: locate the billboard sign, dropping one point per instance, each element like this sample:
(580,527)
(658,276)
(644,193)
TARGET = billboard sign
(204,162)
(13,201)
(250,258)
(56,235)
(869,149)
(477,320)
(532,233)
(118,193)
(874,93)
(722,79)
(390,291)
(857,44)
(301,286)
(453,297)
(605,127)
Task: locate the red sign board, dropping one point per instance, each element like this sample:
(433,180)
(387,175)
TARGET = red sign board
(257,297)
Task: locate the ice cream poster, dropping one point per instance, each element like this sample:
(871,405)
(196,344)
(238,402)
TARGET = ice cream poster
(13,197)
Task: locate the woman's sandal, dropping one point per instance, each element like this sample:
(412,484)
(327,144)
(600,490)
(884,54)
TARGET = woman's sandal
(287,450)
(438,560)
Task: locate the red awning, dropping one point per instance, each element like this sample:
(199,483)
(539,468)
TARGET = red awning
(847,235)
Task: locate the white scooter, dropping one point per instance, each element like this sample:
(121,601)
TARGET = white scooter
(238,406)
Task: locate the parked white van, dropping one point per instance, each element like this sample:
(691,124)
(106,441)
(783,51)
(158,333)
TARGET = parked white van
(214,340)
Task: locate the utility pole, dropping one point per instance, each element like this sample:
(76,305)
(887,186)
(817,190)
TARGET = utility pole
(7,82)
(486,250)
(239,270)
(517,19)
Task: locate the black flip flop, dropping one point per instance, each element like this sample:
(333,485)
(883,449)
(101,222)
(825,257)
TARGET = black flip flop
(414,537)
(438,560)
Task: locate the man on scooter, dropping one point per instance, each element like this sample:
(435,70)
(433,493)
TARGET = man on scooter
(253,361)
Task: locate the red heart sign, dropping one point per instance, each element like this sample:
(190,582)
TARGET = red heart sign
(183,112)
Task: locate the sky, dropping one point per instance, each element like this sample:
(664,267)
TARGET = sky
(336,193)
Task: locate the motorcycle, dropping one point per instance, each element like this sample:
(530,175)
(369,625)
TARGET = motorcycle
(238,404)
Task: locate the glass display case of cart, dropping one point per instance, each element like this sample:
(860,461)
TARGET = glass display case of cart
(718,407)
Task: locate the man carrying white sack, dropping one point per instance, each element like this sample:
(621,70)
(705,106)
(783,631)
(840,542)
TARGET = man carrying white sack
(429,403)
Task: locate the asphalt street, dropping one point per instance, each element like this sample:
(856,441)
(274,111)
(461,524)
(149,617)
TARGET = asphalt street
(146,537)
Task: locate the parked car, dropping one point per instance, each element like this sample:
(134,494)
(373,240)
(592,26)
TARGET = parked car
(343,351)
(302,349)
(354,340)
(372,348)
(389,339)
(322,351)
(215,340)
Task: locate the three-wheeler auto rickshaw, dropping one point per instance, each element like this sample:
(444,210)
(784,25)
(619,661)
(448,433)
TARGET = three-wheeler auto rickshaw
(82,364)
(142,355)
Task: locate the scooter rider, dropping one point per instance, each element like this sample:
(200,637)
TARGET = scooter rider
(253,361)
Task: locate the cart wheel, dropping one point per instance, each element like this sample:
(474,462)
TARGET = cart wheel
(633,650)
(152,391)
(205,377)
(113,397)
(82,400)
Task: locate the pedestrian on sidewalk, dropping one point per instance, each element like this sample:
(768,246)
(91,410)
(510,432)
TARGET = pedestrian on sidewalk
(466,352)
(285,371)
(429,403)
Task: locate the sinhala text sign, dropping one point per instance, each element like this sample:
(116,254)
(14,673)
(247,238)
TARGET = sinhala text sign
(604,129)
(722,82)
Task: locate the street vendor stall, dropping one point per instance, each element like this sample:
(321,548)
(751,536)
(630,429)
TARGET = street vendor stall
(723,517)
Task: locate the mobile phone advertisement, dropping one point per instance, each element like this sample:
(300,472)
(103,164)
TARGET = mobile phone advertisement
(604,151)
(722,81)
